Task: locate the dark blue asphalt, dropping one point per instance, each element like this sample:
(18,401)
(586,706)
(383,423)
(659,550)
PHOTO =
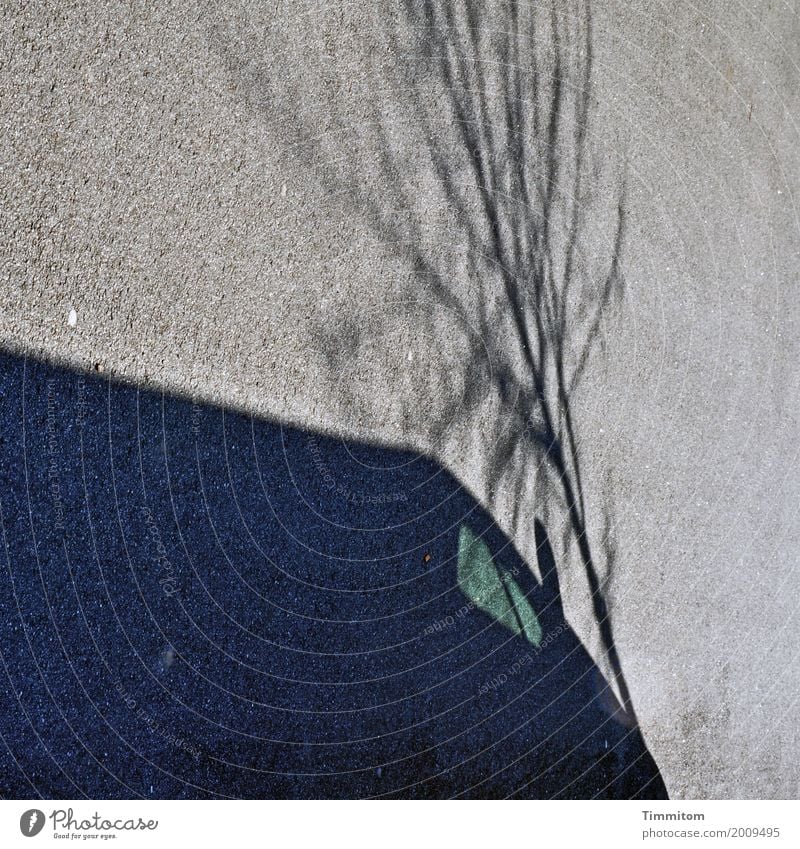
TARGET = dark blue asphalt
(197,604)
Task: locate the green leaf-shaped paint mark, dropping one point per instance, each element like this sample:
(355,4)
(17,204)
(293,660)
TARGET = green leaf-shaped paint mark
(492,591)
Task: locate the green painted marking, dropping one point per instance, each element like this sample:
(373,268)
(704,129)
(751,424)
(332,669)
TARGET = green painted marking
(492,591)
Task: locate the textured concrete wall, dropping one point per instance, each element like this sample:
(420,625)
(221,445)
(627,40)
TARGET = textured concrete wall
(273,207)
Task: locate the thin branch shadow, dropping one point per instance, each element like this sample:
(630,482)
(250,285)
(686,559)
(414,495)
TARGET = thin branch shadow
(497,98)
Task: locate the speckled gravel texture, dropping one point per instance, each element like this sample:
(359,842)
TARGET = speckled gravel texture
(239,202)
(198,604)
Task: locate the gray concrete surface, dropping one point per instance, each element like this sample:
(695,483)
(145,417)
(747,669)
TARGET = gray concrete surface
(234,199)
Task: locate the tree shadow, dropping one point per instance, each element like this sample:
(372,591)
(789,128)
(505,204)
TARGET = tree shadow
(487,106)
(194,603)
(198,604)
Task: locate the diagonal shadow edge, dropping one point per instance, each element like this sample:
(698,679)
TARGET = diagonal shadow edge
(525,576)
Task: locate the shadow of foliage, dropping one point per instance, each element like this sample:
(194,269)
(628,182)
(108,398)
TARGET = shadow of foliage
(485,108)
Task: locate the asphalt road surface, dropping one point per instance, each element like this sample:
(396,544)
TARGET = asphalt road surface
(199,604)
(346,220)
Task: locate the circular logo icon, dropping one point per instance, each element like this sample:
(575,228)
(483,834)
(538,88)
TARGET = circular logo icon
(31,822)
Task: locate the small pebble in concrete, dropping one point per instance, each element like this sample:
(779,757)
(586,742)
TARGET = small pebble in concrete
(72,320)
